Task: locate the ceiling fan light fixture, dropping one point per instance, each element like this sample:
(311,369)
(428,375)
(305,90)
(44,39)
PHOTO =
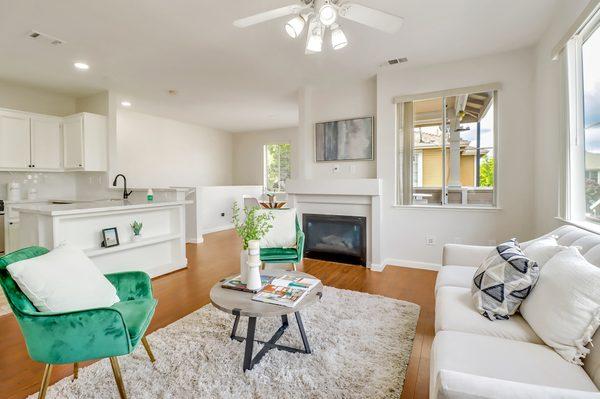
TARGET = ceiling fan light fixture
(338,39)
(327,14)
(295,26)
(314,43)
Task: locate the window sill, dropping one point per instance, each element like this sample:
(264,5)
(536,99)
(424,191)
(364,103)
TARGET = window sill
(587,225)
(449,208)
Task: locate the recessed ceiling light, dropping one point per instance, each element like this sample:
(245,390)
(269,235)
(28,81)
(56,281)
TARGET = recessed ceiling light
(81,65)
(126,103)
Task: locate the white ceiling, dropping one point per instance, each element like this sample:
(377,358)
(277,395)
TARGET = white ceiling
(238,79)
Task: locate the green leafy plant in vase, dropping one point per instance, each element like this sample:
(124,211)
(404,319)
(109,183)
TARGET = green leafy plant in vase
(251,226)
(137,229)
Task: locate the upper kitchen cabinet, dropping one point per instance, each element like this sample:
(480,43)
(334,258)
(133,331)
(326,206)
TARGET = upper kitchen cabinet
(15,140)
(46,143)
(85,142)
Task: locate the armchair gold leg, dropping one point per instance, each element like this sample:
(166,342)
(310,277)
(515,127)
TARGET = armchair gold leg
(294,266)
(45,381)
(148,349)
(75,370)
(117,372)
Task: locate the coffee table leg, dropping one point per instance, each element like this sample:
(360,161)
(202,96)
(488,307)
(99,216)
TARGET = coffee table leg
(235,326)
(284,320)
(249,343)
(302,333)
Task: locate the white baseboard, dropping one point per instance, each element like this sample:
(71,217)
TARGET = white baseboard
(376,267)
(412,264)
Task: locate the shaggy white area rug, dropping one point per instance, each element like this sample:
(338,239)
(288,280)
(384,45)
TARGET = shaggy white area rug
(360,344)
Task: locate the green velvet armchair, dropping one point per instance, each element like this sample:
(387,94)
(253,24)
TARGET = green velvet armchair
(73,337)
(285,255)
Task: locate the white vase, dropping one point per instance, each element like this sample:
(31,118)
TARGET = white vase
(253,265)
(244,266)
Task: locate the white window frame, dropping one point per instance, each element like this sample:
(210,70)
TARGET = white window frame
(401,143)
(575,209)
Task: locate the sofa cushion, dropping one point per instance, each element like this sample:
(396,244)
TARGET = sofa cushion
(506,360)
(503,280)
(455,385)
(454,311)
(455,276)
(564,307)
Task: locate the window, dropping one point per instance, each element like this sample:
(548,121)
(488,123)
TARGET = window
(276,166)
(590,53)
(447,149)
(583,176)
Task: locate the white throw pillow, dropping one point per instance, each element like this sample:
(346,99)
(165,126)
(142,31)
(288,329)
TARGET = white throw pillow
(564,307)
(283,232)
(63,280)
(542,250)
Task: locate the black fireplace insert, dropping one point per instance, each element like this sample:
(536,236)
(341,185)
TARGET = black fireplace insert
(335,238)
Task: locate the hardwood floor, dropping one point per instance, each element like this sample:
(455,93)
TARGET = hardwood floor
(183,292)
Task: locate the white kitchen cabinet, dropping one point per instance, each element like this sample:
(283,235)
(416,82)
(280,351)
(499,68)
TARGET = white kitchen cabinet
(46,143)
(14,140)
(85,142)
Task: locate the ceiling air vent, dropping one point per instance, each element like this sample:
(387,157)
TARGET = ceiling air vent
(37,35)
(395,61)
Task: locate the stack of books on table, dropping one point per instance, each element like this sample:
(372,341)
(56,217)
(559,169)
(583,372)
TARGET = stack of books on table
(286,290)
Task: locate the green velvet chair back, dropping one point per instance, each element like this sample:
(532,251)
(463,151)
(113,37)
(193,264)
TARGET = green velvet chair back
(18,301)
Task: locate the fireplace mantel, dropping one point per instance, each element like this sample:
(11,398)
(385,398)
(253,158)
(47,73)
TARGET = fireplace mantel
(346,197)
(365,187)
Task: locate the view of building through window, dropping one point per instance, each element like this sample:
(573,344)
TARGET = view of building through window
(590,51)
(462,173)
(277,166)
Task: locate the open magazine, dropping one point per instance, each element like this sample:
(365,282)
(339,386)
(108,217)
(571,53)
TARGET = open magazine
(286,290)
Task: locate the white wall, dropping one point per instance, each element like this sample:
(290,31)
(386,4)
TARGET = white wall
(159,152)
(404,229)
(322,104)
(549,131)
(214,206)
(31,99)
(248,153)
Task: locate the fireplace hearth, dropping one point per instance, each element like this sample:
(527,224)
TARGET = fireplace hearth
(335,238)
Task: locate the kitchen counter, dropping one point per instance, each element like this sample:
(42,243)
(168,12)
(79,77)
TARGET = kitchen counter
(93,207)
(160,249)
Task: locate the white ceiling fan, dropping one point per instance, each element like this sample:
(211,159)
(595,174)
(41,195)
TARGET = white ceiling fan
(322,15)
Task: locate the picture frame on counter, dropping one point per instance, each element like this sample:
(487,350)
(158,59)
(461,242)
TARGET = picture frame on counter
(110,237)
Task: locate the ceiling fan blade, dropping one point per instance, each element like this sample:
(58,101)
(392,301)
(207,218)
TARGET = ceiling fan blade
(371,17)
(268,15)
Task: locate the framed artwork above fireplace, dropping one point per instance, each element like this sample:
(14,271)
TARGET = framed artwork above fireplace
(344,140)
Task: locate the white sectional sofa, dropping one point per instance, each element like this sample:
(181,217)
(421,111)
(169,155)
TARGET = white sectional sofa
(473,357)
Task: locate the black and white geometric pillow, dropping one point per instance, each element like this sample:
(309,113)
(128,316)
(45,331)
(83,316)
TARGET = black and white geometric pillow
(503,281)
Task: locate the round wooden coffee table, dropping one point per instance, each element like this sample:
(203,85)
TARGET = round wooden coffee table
(240,304)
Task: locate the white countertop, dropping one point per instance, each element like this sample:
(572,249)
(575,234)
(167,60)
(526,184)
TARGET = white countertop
(93,207)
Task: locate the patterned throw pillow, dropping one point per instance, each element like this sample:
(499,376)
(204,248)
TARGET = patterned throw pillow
(503,281)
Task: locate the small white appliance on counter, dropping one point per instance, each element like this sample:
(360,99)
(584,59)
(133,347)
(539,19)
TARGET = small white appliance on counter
(13,191)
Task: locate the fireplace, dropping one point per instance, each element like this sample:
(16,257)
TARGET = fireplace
(335,238)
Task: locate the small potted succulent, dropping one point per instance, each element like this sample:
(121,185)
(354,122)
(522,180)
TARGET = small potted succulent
(137,230)
(251,227)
